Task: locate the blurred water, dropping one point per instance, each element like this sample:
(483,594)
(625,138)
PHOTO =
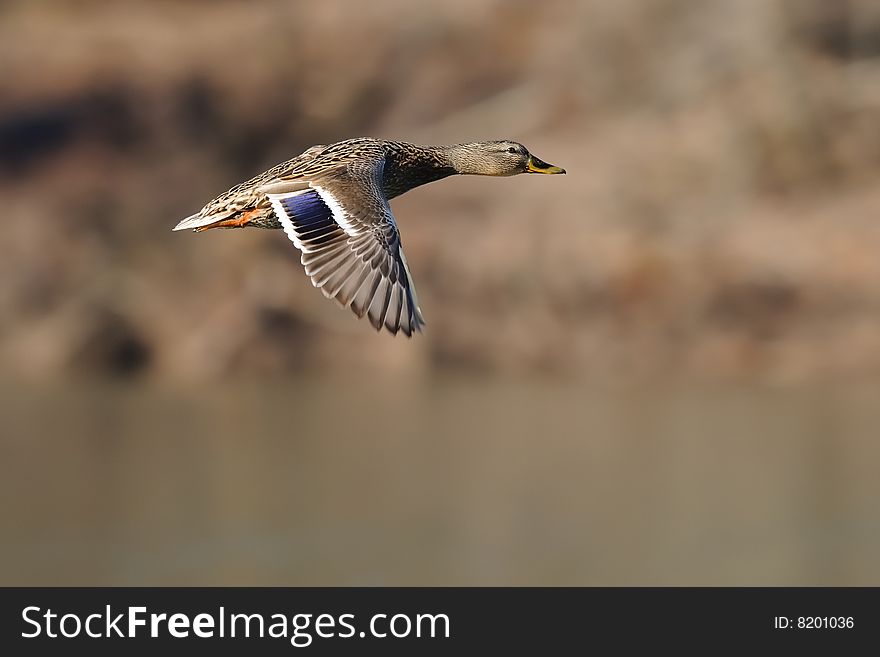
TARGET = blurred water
(449,482)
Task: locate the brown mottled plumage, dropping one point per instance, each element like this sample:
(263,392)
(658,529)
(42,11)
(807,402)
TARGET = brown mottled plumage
(332,201)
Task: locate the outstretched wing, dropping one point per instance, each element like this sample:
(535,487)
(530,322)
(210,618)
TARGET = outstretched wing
(351,245)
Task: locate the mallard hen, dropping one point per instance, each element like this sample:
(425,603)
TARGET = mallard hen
(332,202)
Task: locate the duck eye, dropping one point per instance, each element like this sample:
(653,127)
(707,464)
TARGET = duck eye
(511,150)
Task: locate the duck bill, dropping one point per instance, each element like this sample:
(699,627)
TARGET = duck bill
(536,165)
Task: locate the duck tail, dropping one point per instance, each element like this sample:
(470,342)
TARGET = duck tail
(194,222)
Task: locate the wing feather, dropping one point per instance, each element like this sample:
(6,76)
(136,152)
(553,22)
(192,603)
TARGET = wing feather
(364,296)
(336,280)
(350,245)
(379,305)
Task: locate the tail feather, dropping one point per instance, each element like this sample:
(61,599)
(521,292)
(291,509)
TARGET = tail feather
(194,221)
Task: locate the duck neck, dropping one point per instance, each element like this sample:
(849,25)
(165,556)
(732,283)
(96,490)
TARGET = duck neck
(408,166)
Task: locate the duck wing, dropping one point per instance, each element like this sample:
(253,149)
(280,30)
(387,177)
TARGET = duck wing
(342,223)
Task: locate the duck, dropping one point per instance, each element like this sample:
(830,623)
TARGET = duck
(332,201)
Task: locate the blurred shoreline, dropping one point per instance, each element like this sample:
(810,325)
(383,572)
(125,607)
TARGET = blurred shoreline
(719,220)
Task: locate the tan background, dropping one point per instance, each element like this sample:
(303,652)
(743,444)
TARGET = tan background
(660,368)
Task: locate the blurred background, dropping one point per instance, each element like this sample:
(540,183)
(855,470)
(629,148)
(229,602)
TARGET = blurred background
(660,369)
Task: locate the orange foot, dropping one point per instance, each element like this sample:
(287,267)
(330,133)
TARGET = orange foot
(240,221)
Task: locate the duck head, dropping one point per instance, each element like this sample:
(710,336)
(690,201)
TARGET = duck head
(497,158)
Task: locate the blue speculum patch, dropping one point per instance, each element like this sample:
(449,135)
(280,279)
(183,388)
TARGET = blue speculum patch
(310,215)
